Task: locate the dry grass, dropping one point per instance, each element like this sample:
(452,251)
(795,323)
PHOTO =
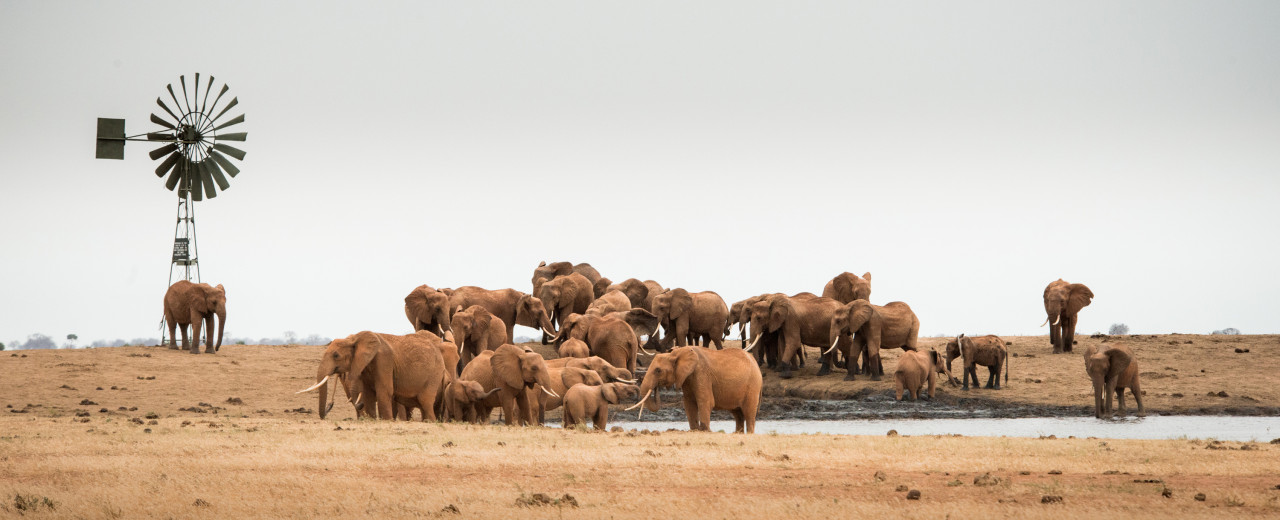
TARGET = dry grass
(256,460)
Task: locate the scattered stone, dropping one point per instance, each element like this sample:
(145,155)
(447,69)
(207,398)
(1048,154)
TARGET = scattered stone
(880,476)
(152,415)
(1024,472)
(200,502)
(1055,472)
(1111,472)
(337,428)
(901,488)
(122,409)
(234,400)
(1051,499)
(1222,394)
(65,387)
(913,494)
(186,423)
(86,402)
(1200,497)
(104,410)
(299,409)
(1166,492)
(146,430)
(1148,481)
(986,479)
(99,388)
(450,509)
(955,483)
(153,422)
(500,443)
(542,499)
(81,419)
(133,408)
(448,444)
(1240,351)
(115,388)
(135,420)
(82,413)
(892,433)
(1175,395)
(615,429)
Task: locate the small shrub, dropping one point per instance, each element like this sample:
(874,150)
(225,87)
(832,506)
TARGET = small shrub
(1118,329)
(1229,331)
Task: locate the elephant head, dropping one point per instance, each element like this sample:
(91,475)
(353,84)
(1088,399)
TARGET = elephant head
(469,325)
(531,312)
(426,307)
(606,370)
(558,296)
(460,395)
(580,376)
(635,290)
(847,287)
(849,318)
(952,351)
(545,272)
(1105,368)
(601,286)
(667,370)
(205,302)
(1065,299)
(942,368)
(575,326)
(769,315)
(515,369)
(348,358)
(672,305)
(615,393)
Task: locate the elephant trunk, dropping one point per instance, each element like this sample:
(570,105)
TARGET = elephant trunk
(222,325)
(442,321)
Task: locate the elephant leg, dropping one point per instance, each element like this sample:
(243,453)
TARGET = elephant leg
(1120,400)
(991,376)
(1068,333)
(704,414)
(173,340)
(966,379)
(196,323)
(739,422)
(523,407)
(1055,336)
(186,342)
(602,418)
(1137,397)
(691,411)
(825,368)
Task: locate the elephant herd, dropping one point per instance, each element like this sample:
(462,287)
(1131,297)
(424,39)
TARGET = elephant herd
(461,362)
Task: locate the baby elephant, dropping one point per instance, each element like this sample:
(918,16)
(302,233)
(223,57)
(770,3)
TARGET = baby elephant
(460,399)
(582,402)
(1112,370)
(988,351)
(574,348)
(915,368)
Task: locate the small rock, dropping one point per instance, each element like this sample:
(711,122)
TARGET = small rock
(901,488)
(880,476)
(450,509)
(1051,499)
(1055,472)
(152,415)
(234,400)
(1222,394)
(913,494)
(1111,472)
(135,420)
(1148,481)
(985,479)
(1240,351)
(65,387)
(1166,492)
(892,433)
(1175,395)
(82,413)
(448,444)
(99,388)
(86,402)
(1200,497)
(200,502)
(955,483)
(1024,472)
(615,429)
(104,410)
(153,422)
(146,430)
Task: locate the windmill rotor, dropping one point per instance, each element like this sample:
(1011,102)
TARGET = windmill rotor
(195,154)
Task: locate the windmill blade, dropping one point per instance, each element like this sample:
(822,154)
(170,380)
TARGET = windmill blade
(233,102)
(174,177)
(207,89)
(238,154)
(162,151)
(176,104)
(218,177)
(183,79)
(214,106)
(195,100)
(166,109)
(238,136)
(158,136)
(168,165)
(224,163)
(193,178)
(157,120)
(206,178)
(238,119)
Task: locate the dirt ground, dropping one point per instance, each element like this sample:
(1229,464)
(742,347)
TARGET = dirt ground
(151,432)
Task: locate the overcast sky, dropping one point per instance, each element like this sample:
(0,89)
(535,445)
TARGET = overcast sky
(966,154)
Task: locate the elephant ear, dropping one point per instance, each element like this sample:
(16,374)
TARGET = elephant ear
(609,393)
(686,362)
(860,313)
(601,286)
(506,366)
(681,302)
(643,321)
(779,310)
(196,299)
(1119,361)
(560,268)
(843,286)
(1080,297)
(367,347)
(480,320)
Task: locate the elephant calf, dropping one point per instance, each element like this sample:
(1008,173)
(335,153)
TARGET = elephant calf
(583,401)
(988,351)
(1112,369)
(915,368)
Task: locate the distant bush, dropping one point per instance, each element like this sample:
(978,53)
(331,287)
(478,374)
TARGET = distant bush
(1,346)
(1229,331)
(1118,329)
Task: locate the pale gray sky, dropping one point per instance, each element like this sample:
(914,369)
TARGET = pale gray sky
(965,153)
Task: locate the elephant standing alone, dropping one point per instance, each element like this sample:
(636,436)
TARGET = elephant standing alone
(193,304)
(710,379)
(1062,302)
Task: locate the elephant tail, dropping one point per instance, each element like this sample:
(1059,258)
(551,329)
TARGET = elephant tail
(1006,367)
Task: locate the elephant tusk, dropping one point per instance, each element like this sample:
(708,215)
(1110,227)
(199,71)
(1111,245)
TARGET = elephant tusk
(1046,322)
(550,393)
(752,345)
(315,386)
(1057,319)
(642,400)
(646,351)
(627,381)
(358,396)
(459,347)
(833,346)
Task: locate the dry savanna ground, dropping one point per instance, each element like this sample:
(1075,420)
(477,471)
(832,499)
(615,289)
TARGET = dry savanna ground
(150,432)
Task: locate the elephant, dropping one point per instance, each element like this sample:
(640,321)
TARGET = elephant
(792,322)
(1062,302)
(574,348)
(710,379)
(740,315)
(683,313)
(546,272)
(511,370)
(193,304)
(635,290)
(561,379)
(409,367)
(583,401)
(873,328)
(608,337)
(597,364)
(427,309)
(915,368)
(612,301)
(562,296)
(601,287)
(642,322)
(509,305)
(449,351)
(460,399)
(988,351)
(1112,369)
(476,330)
(847,287)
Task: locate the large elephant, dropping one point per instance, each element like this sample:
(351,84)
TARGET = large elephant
(1062,302)
(476,330)
(702,314)
(988,351)
(193,304)
(582,402)
(612,301)
(793,322)
(637,292)
(561,379)
(511,370)
(565,295)
(509,305)
(427,309)
(710,379)
(847,287)
(546,272)
(915,368)
(766,350)
(597,364)
(606,336)
(460,399)
(408,367)
(873,328)
(1112,369)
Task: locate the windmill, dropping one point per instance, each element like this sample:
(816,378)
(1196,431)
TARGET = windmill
(195,159)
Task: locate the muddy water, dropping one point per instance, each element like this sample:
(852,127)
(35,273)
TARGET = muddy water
(1221,427)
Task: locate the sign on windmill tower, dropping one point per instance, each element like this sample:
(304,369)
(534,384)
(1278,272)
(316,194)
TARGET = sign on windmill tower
(194,156)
